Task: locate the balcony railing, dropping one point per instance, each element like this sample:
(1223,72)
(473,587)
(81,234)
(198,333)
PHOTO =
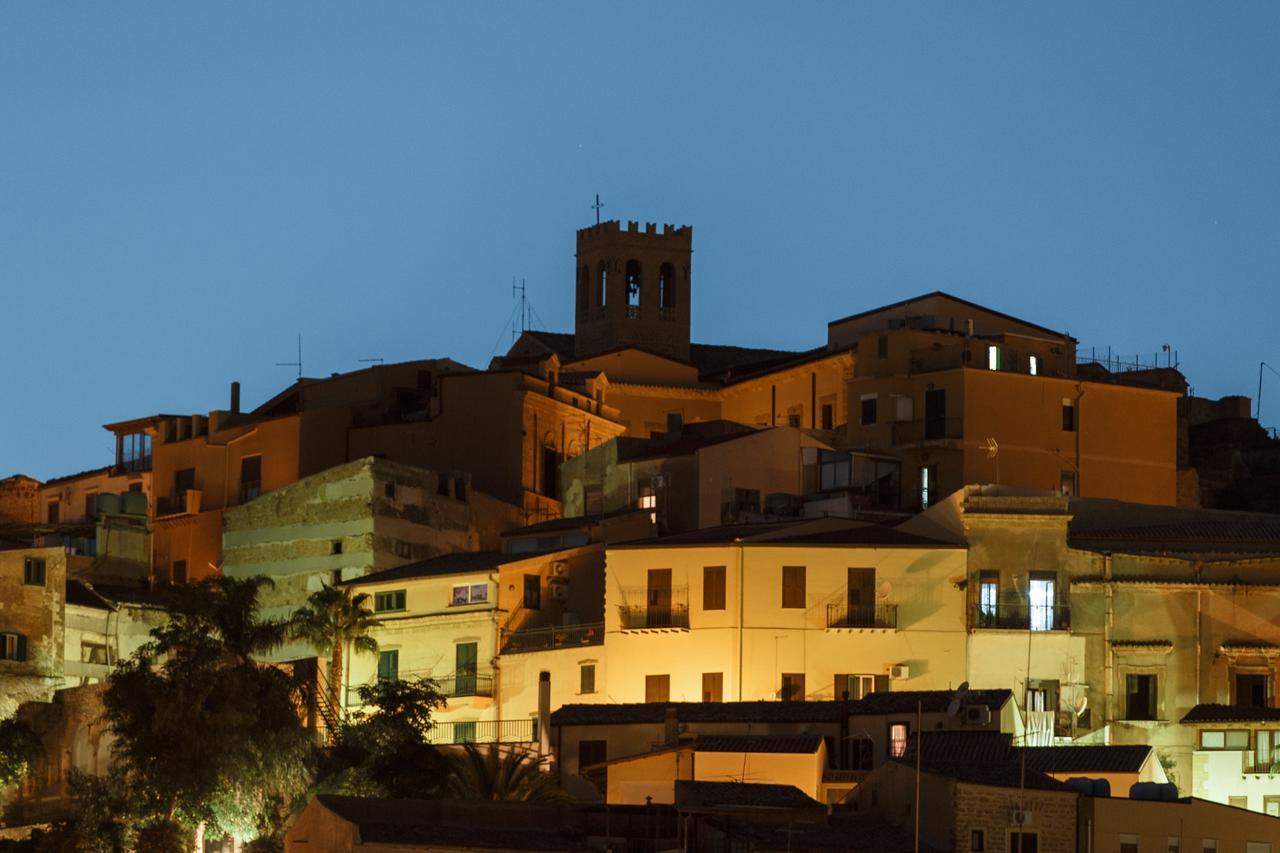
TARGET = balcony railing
(929,429)
(542,639)
(655,607)
(462,684)
(633,312)
(862,616)
(484,731)
(184,501)
(1269,765)
(665,313)
(1021,617)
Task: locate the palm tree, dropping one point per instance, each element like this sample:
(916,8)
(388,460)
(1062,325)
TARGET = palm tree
(331,618)
(224,610)
(512,773)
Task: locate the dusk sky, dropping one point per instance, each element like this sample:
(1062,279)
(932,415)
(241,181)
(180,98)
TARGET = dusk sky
(186,187)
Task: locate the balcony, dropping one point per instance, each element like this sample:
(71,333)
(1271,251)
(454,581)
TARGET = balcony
(633,312)
(929,429)
(463,684)
(484,731)
(663,608)
(181,503)
(1020,616)
(544,639)
(862,616)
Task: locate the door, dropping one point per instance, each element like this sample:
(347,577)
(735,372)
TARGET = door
(862,598)
(465,669)
(658,613)
(935,414)
(1041,599)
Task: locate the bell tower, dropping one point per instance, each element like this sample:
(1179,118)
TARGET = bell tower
(633,289)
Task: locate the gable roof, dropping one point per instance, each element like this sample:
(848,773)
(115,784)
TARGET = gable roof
(1002,774)
(983,747)
(743,795)
(463,562)
(932,701)
(464,824)
(1211,713)
(944,295)
(1088,758)
(698,712)
(805,531)
(801,744)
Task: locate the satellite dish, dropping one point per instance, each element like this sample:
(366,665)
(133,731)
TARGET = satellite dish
(1084,703)
(957,701)
(884,590)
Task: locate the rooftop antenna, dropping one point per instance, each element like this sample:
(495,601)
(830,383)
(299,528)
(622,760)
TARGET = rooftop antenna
(298,363)
(597,207)
(525,319)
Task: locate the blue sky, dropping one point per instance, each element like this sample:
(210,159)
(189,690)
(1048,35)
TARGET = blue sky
(185,187)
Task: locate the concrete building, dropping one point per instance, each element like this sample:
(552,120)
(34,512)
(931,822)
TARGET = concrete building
(798,610)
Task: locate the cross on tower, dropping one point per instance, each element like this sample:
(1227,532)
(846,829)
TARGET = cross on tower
(597,207)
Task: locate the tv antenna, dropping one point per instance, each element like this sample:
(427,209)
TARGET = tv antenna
(526,310)
(596,207)
(993,452)
(298,363)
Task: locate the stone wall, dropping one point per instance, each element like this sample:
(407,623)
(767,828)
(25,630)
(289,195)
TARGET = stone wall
(988,808)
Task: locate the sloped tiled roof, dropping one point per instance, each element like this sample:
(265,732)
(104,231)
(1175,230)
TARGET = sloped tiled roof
(446,564)
(999,774)
(802,744)
(743,795)
(699,712)
(500,825)
(1088,758)
(905,701)
(971,746)
(1230,714)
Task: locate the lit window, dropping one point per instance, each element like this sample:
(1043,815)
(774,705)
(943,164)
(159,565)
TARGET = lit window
(898,739)
(648,498)
(474,593)
(993,357)
(928,485)
(988,598)
(1041,598)
(1033,365)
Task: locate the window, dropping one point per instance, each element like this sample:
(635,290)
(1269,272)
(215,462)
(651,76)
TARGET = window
(91,506)
(792,687)
(389,665)
(52,512)
(1257,847)
(795,416)
(1232,739)
(977,841)
(713,587)
(1209,845)
(988,597)
(1023,842)
(335,547)
(854,686)
(828,416)
(469,593)
(898,733)
(550,472)
(1033,365)
(404,550)
(1266,750)
(1068,415)
(994,357)
(666,286)
(33,571)
(1140,696)
(928,485)
(1253,690)
(133,452)
(250,478)
(1040,598)
(647,496)
(1175,844)
(1067,483)
(833,470)
(587,678)
(533,592)
(13,647)
(179,571)
(868,409)
(388,601)
(633,286)
(465,658)
(935,414)
(584,292)
(793,587)
(603,286)
(1128,843)
(657,688)
(882,346)
(713,687)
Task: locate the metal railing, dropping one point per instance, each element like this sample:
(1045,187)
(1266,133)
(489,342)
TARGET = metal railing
(1251,764)
(927,429)
(862,616)
(1022,616)
(484,731)
(655,607)
(542,639)
(666,313)
(461,684)
(633,312)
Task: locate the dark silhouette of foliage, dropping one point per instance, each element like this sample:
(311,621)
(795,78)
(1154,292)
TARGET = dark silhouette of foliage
(18,749)
(502,772)
(330,619)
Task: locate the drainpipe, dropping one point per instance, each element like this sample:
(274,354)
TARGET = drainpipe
(741,610)
(544,714)
(1108,655)
(1199,612)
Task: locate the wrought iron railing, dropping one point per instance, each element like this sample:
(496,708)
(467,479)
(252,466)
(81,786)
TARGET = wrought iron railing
(1022,616)
(655,607)
(633,312)
(862,616)
(484,731)
(462,684)
(542,639)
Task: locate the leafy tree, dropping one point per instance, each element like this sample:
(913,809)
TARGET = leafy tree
(19,747)
(384,751)
(203,733)
(331,618)
(501,774)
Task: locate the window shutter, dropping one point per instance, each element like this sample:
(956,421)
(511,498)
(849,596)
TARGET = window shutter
(22,647)
(882,683)
(842,686)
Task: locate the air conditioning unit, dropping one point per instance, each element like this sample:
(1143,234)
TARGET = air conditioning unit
(1020,817)
(977,715)
(900,670)
(560,590)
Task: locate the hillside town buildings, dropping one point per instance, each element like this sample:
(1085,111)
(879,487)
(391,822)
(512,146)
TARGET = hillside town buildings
(680,570)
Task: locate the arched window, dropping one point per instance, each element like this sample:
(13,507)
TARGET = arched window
(604,280)
(633,284)
(667,286)
(584,289)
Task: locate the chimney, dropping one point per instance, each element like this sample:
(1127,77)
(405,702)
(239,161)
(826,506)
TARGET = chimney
(544,714)
(235,398)
(671,725)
